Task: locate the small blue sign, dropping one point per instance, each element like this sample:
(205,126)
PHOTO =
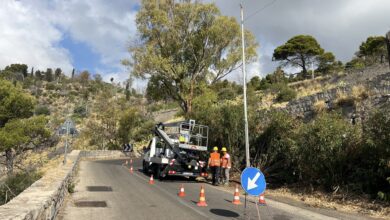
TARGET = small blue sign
(253,181)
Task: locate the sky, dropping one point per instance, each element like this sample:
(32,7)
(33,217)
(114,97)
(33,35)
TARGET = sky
(94,34)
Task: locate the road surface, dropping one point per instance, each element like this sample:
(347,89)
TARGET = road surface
(132,197)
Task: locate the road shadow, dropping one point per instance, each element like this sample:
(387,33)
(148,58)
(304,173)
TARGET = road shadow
(224,213)
(281,217)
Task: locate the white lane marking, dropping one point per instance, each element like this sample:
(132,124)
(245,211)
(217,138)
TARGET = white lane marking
(173,197)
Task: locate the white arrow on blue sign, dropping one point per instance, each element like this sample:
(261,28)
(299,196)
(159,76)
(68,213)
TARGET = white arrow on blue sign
(253,181)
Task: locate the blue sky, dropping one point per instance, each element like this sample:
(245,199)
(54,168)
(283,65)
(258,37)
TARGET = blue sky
(83,58)
(95,34)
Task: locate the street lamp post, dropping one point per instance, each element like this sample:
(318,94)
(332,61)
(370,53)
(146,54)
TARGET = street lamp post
(388,46)
(245,101)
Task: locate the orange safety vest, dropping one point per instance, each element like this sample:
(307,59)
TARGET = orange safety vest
(215,159)
(225,161)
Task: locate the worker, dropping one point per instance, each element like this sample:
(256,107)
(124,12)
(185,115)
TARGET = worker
(226,164)
(214,164)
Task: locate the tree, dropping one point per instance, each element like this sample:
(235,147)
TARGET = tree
(14,102)
(254,83)
(58,73)
(49,75)
(156,90)
(299,51)
(20,135)
(32,72)
(129,121)
(184,44)
(17,68)
(38,75)
(327,63)
(373,50)
(98,78)
(84,78)
(127,91)
(73,71)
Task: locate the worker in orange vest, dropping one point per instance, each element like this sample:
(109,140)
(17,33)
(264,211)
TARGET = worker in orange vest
(226,164)
(214,164)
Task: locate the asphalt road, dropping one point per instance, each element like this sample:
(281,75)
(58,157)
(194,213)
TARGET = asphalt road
(132,197)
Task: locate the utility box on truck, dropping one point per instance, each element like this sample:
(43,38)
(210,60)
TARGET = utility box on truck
(177,149)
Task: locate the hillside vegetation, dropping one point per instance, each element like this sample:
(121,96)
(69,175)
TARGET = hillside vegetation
(326,130)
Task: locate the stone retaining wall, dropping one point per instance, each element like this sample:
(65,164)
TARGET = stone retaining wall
(378,88)
(42,200)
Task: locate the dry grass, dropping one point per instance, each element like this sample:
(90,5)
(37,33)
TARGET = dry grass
(359,92)
(319,106)
(343,99)
(279,105)
(311,89)
(267,100)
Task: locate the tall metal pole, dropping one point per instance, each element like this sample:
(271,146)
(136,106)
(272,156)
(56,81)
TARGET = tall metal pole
(245,102)
(388,46)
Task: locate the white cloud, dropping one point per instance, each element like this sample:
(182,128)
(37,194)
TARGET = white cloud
(31,30)
(26,36)
(105,26)
(339,26)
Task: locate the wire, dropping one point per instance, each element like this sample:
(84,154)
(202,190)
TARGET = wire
(261,9)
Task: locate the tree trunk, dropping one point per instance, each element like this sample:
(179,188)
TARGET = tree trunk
(9,155)
(189,102)
(304,70)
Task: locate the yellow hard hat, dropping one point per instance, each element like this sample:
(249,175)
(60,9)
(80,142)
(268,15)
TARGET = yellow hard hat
(224,149)
(215,149)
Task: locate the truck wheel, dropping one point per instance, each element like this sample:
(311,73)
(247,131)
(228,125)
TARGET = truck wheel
(159,173)
(144,167)
(192,178)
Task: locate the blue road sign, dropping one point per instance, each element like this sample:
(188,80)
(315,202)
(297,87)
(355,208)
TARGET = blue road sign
(253,181)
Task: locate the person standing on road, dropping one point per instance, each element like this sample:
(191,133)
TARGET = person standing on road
(214,164)
(226,164)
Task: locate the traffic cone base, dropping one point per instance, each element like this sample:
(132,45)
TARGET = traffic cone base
(151,180)
(262,199)
(202,198)
(181,192)
(236,197)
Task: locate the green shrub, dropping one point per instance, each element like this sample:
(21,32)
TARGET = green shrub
(42,110)
(16,184)
(285,93)
(326,148)
(71,186)
(50,86)
(80,111)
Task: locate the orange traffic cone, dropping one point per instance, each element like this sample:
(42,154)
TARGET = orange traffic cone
(131,169)
(151,180)
(262,199)
(236,198)
(181,191)
(202,198)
